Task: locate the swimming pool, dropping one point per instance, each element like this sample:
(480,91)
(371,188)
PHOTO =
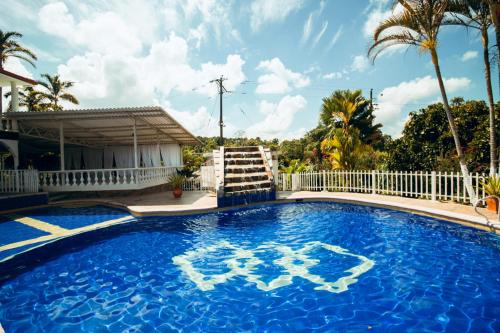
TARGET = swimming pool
(288,267)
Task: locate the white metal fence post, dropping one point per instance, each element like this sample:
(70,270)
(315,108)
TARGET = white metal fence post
(433,186)
(324,181)
(374,182)
(294,182)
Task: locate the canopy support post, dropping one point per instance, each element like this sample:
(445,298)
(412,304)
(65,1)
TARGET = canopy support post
(61,144)
(136,162)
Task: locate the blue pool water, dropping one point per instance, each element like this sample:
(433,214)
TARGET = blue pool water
(278,268)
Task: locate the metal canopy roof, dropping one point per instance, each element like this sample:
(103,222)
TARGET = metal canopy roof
(104,127)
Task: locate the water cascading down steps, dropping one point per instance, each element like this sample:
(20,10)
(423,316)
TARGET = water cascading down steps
(245,176)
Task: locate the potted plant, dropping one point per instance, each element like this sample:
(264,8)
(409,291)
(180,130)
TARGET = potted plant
(176,181)
(492,187)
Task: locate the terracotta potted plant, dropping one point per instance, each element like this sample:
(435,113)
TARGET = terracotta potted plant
(492,187)
(176,181)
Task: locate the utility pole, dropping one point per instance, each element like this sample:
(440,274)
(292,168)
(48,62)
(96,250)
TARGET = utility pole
(371,99)
(222,90)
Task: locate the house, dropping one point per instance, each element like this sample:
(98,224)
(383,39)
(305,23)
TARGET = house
(88,149)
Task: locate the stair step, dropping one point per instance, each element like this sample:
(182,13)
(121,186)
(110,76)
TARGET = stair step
(243,155)
(262,184)
(245,168)
(251,191)
(243,175)
(243,161)
(241,149)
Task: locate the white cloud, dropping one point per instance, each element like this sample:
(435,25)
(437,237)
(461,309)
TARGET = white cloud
(469,55)
(307,29)
(377,12)
(200,122)
(279,79)
(332,76)
(17,66)
(335,38)
(105,32)
(279,117)
(321,33)
(113,80)
(127,26)
(393,100)
(267,11)
(360,63)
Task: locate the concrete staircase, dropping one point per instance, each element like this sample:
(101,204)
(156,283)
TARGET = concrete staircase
(245,176)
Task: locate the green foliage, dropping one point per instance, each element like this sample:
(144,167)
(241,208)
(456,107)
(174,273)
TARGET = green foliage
(176,181)
(345,149)
(296,166)
(427,143)
(193,159)
(492,185)
(10,47)
(345,108)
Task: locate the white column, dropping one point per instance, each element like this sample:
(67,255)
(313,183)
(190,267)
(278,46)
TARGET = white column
(14,97)
(61,144)
(136,162)
(181,157)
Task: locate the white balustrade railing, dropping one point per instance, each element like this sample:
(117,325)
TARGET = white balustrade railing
(19,181)
(425,185)
(105,179)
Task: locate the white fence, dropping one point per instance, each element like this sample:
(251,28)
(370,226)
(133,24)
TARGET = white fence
(203,182)
(105,179)
(19,181)
(425,185)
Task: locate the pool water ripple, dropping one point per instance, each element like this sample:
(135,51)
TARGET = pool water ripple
(427,275)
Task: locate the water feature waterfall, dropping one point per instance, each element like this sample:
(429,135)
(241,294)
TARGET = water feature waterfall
(244,175)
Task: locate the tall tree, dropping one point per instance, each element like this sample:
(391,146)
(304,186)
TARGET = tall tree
(475,14)
(345,108)
(418,25)
(10,48)
(494,6)
(56,90)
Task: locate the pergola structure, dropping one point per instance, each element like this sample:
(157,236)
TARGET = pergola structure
(109,142)
(98,128)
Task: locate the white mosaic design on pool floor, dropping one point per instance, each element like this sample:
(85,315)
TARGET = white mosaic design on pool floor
(296,263)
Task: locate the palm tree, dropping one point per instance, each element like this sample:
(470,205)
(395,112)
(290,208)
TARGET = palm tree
(9,47)
(30,98)
(56,90)
(475,14)
(344,149)
(341,106)
(345,108)
(418,25)
(494,6)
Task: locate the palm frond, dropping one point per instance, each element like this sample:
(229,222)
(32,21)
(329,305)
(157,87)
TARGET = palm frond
(70,98)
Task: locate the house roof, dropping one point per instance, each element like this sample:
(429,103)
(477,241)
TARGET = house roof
(104,127)
(7,77)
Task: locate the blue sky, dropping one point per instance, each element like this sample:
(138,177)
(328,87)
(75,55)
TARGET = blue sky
(281,57)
